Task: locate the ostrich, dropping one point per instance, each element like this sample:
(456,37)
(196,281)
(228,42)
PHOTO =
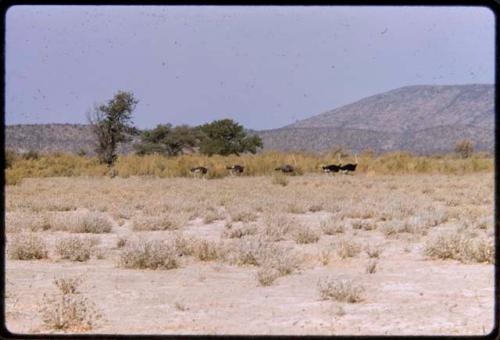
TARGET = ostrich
(235,169)
(199,170)
(349,167)
(287,168)
(331,168)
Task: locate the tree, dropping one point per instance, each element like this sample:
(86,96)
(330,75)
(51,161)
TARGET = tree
(225,137)
(110,122)
(167,140)
(464,148)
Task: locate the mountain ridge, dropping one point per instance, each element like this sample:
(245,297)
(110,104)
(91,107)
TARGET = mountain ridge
(422,119)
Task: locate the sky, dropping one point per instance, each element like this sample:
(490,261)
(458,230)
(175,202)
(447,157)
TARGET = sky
(264,67)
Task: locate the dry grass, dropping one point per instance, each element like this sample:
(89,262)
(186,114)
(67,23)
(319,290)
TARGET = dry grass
(160,222)
(280,179)
(76,248)
(27,246)
(260,252)
(68,310)
(231,231)
(305,235)
(373,251)
(17,222)
(260,164)
(211,216)
(263,222)
(277,227)
(461,248)
(332,226)
(267,275)
(363,224)
(205,250)
(253,251)
(82,222)
(184,246)
(143,254)
(340,290)
(324,256)
(347,248)
(242,215)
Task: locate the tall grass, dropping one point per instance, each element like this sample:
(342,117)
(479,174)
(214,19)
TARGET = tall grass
(67,165)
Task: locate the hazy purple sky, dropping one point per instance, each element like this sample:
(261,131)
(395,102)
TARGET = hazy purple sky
(265,67)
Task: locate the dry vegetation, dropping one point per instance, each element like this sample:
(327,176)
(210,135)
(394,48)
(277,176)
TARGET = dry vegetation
(68,310)
(184,236)
(68,165)
(340,290)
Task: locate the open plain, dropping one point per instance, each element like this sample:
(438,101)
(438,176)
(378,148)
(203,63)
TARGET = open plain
(313,254)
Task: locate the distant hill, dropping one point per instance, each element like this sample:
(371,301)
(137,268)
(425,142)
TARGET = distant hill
(53,137)
(422,119)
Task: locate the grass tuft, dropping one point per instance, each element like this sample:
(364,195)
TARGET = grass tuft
(27,246)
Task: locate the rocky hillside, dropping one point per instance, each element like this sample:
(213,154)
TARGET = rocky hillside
(53,137)
(420,119)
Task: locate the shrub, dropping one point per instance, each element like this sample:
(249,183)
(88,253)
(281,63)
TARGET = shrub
(297,207)
(363,224)
(373,251)
(267,275)
(184,246)
(206,251)
(211,216)
(436,217)
(331,227)
(154,223)
(241,215)
(68,310)
(16,222)
(142,254)
(87,222)
(306,235)
(239,232)
(259,252)
(461,248)
(340,290)
(277,226)
(390,229)
(282,259)
(68,285)
(346,248)
(324,257)
(315,207)
(252,251)
(75,248)
(27,246)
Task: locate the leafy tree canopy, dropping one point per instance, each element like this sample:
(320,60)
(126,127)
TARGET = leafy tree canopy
(110,122)
(226,137)
(165,139)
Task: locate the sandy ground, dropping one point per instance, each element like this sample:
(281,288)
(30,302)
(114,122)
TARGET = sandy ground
(408,294)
